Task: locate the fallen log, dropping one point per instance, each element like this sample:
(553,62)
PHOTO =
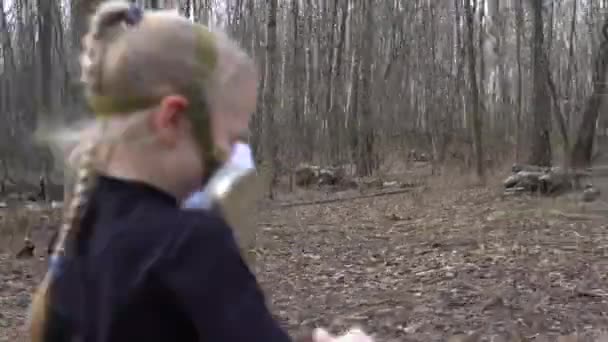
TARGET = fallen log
(548,181)
(530,168)
(312,175)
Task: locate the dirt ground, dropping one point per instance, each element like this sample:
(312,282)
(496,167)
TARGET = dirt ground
(431,264)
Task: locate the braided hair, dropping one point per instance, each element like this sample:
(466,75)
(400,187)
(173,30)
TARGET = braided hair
(102,26)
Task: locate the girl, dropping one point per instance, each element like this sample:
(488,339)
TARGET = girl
(171,98)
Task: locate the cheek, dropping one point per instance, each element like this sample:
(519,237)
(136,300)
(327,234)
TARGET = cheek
(221,133)
(242,122)
(189,164)
(193,154)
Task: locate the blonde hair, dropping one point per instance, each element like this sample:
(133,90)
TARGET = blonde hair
(131,59)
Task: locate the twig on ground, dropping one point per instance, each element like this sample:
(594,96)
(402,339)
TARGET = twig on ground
(341,199)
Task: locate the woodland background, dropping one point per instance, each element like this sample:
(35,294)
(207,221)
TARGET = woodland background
(419,105)
(469,83)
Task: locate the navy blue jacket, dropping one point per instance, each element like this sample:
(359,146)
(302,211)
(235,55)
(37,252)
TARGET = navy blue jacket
(142,269)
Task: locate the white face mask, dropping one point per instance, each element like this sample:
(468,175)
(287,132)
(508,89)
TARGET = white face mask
(241,158)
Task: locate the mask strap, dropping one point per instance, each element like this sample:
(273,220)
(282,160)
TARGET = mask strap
(198,113)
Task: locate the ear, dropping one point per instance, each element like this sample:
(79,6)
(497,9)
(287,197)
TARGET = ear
(167,119)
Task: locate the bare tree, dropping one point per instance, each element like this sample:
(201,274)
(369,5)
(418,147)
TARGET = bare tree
(349,83)
(270,94)
(540,152)
(583,147)
(475,113)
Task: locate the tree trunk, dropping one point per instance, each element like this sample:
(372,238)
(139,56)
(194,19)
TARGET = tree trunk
(519,23)
(270,96)
(366,147)
(475,115)
(540,134)
(45,62)
(583,147)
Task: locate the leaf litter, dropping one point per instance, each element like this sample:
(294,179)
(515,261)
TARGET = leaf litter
(464,264)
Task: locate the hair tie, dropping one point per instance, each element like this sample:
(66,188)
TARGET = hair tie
(134,15)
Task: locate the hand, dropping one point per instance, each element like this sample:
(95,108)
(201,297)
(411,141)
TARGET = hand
(353,335)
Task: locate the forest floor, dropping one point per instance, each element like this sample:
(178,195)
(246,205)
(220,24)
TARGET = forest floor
(439,261)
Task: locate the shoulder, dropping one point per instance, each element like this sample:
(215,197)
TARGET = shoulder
(202,250)
(199,234)
(173,227)
(161,238)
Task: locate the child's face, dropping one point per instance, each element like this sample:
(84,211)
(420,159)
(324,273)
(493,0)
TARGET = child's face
(175,132)
(187,164)
(181,156)
(231,122)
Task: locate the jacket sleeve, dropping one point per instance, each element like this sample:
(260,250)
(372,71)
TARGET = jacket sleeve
(214,286)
